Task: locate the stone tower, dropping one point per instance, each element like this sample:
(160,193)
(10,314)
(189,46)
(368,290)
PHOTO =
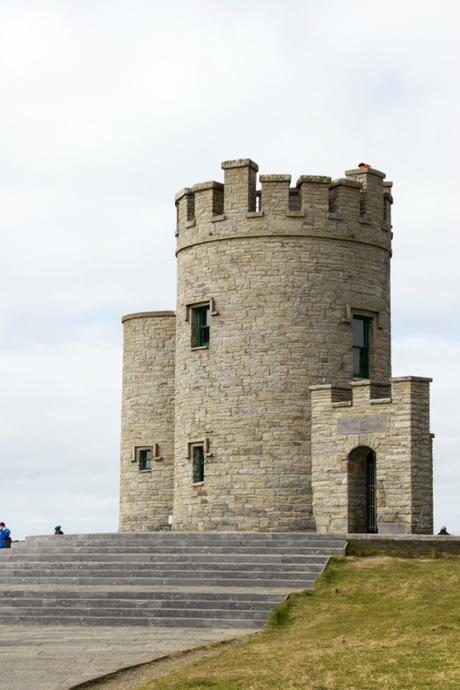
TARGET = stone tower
(283,293)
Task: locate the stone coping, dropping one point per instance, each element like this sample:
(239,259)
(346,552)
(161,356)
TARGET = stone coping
(146,315)
(210,184)
(368,382)
(422,379)
(183,192)
(239,163)
(314,179)
(365,171)
(345,182)
(274,178)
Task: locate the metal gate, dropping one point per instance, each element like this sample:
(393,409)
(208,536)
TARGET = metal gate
(371,494)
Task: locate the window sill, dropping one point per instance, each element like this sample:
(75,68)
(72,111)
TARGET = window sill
(201,347)
(145,471)
(198,483)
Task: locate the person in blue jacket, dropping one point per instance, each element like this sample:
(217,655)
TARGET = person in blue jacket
(5,539)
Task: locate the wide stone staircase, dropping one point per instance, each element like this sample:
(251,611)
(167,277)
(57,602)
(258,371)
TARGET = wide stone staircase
(182,579)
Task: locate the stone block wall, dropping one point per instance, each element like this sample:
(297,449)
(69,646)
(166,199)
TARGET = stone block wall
(283,283)
(146,496)
(403,546)
(397,430)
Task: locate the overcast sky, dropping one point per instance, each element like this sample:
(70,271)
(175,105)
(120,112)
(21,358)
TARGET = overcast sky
(110,107)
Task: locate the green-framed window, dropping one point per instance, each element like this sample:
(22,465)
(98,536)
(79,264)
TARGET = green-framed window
(144,458)
(198,463)
(361,338)
(200,326)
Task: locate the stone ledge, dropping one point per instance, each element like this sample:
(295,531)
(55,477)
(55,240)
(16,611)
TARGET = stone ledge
(402,545)
(146,315)
(308,235)
(422,379)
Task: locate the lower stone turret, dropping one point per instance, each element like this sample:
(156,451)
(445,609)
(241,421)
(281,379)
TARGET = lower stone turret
(372,457)
(147,429)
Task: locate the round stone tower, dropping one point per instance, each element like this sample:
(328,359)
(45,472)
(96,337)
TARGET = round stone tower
(271,287)
(147,421)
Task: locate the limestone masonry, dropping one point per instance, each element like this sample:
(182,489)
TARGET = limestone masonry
(265,402)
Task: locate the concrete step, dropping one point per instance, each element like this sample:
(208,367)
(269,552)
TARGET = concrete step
(151,612)
(205,550)
(225,537)
(168,569)
(154,568)
(126,595)
(210,547)
(118,541)
(130,606)
(284,582)
(163,578)
(148,557)
(165,622)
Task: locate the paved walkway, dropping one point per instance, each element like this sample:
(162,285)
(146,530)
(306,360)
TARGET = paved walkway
(56,657)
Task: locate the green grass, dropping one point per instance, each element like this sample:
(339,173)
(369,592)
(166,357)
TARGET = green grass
(375,623)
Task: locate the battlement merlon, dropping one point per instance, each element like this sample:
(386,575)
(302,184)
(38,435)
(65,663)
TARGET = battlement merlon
(362,196)
(372,193)
(240,181)
(314,194)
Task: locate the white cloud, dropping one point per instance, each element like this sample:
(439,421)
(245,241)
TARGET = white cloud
(109,108)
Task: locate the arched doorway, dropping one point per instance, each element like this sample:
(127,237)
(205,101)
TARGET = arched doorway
(362,490)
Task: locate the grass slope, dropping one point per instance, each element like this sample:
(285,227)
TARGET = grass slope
(370,623)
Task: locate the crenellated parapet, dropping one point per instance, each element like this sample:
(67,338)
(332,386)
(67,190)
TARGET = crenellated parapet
(356,207)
